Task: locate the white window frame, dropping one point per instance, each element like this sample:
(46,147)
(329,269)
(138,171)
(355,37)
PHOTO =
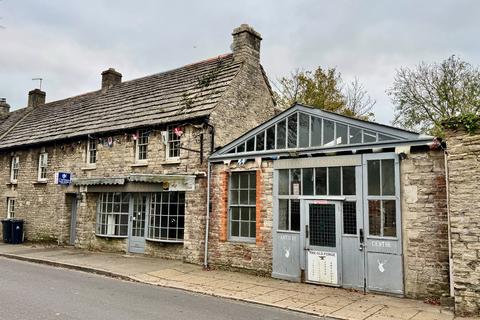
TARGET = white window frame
(175,215)
(42,166)
(91,151)
(112,216)
(10,208)
(139,143)
(14,169)
(239,205)
(171,144)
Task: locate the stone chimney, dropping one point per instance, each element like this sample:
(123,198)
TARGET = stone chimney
(246,44)
(110,78)
(4,107)
(36,98)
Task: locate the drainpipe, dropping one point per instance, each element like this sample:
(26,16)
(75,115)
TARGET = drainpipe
(447,190)
(207,223)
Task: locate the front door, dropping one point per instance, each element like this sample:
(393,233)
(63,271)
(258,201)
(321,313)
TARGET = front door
(322,232)
(138,213)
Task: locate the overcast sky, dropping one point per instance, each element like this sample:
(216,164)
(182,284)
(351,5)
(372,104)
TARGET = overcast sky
(69,43)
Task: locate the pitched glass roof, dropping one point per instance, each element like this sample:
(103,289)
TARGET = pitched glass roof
(306,128)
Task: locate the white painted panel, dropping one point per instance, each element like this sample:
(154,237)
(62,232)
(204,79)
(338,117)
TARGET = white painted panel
(322,267)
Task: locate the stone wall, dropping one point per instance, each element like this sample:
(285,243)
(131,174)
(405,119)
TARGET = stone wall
(255,257)
(425,224)
(464,202)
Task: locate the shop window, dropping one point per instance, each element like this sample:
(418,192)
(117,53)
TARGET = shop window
(242,206)
(10,208)
(112,214)
(289,215)
(334,181)
(14,169)
(167,216)
(348,180)
(295,182)
(42,166)
(307,179)
(320,181)
(283,182)
(292,131)
(349,217)
(91,151)
(173,142)
(316,132)
(141,146)
(303,130)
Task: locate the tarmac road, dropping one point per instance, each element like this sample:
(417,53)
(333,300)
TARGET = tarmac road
(32,291)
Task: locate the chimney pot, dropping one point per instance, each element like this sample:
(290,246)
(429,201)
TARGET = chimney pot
(4,107)
(246,44)
(36,98)
(110,78)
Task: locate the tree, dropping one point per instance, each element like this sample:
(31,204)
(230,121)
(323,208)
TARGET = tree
(430,93)
(324,89)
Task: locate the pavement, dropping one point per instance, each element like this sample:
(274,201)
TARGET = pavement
(316,300)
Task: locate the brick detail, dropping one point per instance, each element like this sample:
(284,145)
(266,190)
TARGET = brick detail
(259,207)
(223,207)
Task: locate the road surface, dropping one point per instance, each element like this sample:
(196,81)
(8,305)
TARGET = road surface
(33,291)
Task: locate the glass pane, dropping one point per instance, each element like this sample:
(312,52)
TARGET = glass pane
(388,177)
(292,131)
(303,120)
(334,181)
(271,138)
(373,169)
(328,133)
(283,220)
(253,230)
(322,225)
(234,197)
(295,182)
(369,136)
(243,180)
(235,213)
(252,197)
(355,135)
(241,147)
(349,218)
(348,177)
(281,134)
(295,215)
(316,132)
(321,181)
(244,229)
(307,181)
(389,218)
(283,182)
(383,137)
(245,214)
(341,134)
(251,144)
(253,214)
(234,230)
(261,141)
(243,196)
(374,217)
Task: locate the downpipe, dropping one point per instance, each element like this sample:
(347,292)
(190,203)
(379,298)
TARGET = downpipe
(449,227)
(207,222)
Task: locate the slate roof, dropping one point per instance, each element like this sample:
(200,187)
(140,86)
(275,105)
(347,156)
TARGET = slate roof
(188,92)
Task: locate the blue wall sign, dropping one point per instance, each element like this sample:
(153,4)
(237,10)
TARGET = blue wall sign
(63,178)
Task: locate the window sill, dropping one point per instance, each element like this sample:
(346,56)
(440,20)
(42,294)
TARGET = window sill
(166,241)
(40,182)
(12,183)
(170,162)
(242,241)
(89,167)
(110,236)
(139,164)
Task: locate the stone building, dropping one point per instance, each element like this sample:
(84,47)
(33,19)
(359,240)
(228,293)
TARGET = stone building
(314,196)
(136,152)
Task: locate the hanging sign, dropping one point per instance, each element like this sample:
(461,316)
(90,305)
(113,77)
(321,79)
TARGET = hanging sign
(63,178)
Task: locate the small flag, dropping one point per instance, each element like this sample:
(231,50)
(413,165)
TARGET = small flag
(178,131)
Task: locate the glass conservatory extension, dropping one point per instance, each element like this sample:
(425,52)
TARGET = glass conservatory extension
(336,203)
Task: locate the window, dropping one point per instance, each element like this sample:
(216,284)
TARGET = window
(173,143)
(167,216)
(14,167)
(142,145)
(349,217)
(42,166)
(242,206)
(289,214)
(382,213)
(112,214)
(91,151)
(10,208)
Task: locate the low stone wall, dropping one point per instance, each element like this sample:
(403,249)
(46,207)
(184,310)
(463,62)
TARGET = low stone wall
(464,202)
(425,224)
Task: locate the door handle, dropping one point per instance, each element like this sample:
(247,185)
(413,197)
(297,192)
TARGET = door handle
(306,231)
(362,239)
